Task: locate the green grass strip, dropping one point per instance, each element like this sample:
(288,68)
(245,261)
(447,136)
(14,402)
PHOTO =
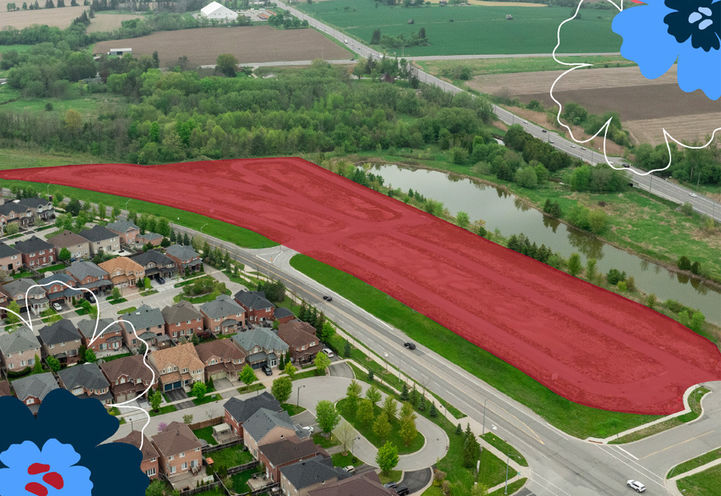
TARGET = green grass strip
(695,463)
(704,483)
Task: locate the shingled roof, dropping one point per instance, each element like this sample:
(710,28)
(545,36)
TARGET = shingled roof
(81,269)
(242,410)
(132,366)
(316,470)
(58,332)
(253,300)
(289,450)
(98,233)
(143,318)
(181,252)
(33,245)
(363,484)
(152,256)
(87,327)
(66,239)
(176,438)
(182,311)
(38,385)
(263,421)
(7,251)
(222,307)
(149,451)
(18,341)
(266,339)
(87,375)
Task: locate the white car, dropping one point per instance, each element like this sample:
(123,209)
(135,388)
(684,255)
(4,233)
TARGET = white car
(329,353)
(636,486)
(309,429)
(57,307)
(693,195)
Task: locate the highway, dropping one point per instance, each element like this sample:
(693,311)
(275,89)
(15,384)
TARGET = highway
(659,186)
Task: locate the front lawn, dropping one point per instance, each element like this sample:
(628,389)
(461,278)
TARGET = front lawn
(392,476)
(207,434)
(341,460)
(292,409)
(115,357)
(230,457)
(249,389)
(127,310)
(209,398)
(325,442)
(162,410)
(505,448)
(116,301)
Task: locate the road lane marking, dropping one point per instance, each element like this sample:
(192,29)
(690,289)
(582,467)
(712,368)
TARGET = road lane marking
(653,477)
(678,444)
(629,454)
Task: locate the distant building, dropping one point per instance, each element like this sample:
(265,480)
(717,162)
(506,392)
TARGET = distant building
(119,51)
(218,12)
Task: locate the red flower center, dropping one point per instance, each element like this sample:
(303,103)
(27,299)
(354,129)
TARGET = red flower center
(52,478)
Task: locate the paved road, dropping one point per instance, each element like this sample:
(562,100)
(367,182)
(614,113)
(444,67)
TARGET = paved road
(509,56)
(283,63)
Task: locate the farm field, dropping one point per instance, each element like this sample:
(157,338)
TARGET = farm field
(644,106)
(463,30)
(108,22)
(248,43)
(589,345)
(60,18)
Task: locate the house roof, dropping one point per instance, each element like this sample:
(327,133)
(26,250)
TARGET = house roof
(81,269)
(122,226)
(37,385)
(183,355)
(223,348)
(18,341)
(182,311)
(87,326)
(144,317)
(264,420)
(98,233)
(181,252)
(297,333)
(262,337)
(254,300)
(176,438)
(58,276)
(149,451)
(316,470)
(5,389)
(7,251)
(132,366)
(87,375)
(33,244)
(223,306)
(66,239)
(34,202)
(123,264)
(281,312)
(20,287)
(149,236)
(59,332)
(289,450)
(152,256)
(363,484)
(214,8)
(242,410)
(11,206)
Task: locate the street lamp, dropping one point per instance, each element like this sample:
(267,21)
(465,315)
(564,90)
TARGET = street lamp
(386,361)
(297,401)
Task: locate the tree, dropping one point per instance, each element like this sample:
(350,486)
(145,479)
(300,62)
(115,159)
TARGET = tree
(53,363)
(404,392)
(387,457)
(38,367)
(156,488)
(471,449)
(684,263)
(574,264)
(146,283)
(345,433)
(597,221)
(281,362)
(291,370)
(281,389)
(382,426)
(12,318)
(651,300)
(373,395)
(115,294)
(327,416)
(433,412)
(199,390)
(89,356)
(353,394)
(346,348)
(376,37)
(321,362)
(697,321)
(408,431)
(390,407)
(459,430)
(365,413)
(227,64)
(64,255)
(155,398)
(462,219)
(247,375)
(591,269)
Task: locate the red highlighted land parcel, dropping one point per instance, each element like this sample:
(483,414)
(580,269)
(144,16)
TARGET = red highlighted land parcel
(585,343)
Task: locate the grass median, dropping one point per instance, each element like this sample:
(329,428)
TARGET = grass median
(695,463)
(704,483)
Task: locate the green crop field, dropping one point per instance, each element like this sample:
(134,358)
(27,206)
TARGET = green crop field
(463,30)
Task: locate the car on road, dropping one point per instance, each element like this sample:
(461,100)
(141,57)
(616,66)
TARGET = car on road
(692,195)
(328,352)
(267,370)
(573,146)
(160,280)
(57,306)
(636,486)
(543,131)
(410,345)
(345,41)
(327,298)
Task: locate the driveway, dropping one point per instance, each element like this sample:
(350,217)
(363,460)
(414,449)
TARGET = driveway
(341,370)
(176,395)
(415,480)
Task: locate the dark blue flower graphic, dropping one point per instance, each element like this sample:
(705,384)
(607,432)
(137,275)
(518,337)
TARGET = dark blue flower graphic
(659,33)
(59,452)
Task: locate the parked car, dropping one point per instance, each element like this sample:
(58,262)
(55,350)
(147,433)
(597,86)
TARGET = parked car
(402,490)
(267,370)
(327,298)
(409,345)
(160,280)
(636,486)
(57,306)
(309,429)
(391,485)
(329,353)
(349,468)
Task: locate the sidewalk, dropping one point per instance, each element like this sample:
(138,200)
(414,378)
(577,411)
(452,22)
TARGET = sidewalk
(671,485)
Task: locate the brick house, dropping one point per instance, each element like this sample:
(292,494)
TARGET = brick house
(149,324)
(124,273)
(223,316)
(222,359)
(155,264)
(85,380)
(41,208)
(283,315)
(266,426)
(89,275)
(126,231)
(62,340)
(258,309)
(237,411)
(32,389)
(35,252)
(10,259)
(151,238)
(182,320)
(186,258)
(129,377)
(101,240)
(78,246)
(56,291)
(285,452)
(109,336)
(13,212)
(261,346)
(16,290)
(178,367)
(361,484)
(302,341)
(178,449)
(298,479)
(19,349)
(149,465)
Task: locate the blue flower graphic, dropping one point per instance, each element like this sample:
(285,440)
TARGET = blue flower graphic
(59,451)
(659,33)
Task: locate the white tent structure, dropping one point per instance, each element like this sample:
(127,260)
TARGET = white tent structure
(218,12)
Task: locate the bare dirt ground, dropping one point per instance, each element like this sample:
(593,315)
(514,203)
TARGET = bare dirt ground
(248,44)
(499,4)
(60,18)
(109,22)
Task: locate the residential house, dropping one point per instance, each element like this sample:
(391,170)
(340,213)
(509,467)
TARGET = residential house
(129,377)
(78,246)
(10,259)
(13,212)
(267,426)
(302,477)
(257,307)
(35,252)
(19,349)
(155,264)
(262,346)
(4,300)
(237,411)
(42,208)
(108,337)
(89,275)
(361,484)
(56,289)
(301,339)
(85,380)
(147,322)
(286,452)
(5,389)
(149,465)
(151,238)
(17,289)
(62,340)
(101,240)
(124,272)
(32,389)
(222,359)
(283,315)
(223,315)
(178,449)
(178,366)
(182,320)
(186,258)
(126,230)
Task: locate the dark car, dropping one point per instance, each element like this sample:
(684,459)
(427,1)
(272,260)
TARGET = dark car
(409,345)
(160,280)
(391,485)
(267,370)
(401,490)
(327,298)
